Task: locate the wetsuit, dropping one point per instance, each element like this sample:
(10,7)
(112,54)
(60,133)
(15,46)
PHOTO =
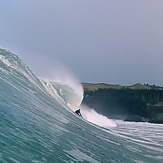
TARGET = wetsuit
(78,112)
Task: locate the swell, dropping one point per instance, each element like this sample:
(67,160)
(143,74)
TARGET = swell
(67,92)
(15,72)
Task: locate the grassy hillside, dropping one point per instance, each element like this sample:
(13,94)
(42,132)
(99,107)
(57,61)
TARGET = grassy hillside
(94,87)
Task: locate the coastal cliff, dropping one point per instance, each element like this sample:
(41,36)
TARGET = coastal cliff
(116,101)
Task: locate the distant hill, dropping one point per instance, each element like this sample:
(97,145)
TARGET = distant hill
(96,86)
(120,101)
(93,86)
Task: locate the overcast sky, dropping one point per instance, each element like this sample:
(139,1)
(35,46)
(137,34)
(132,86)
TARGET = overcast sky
(112,41)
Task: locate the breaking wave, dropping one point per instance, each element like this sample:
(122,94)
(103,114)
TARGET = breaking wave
(67,91)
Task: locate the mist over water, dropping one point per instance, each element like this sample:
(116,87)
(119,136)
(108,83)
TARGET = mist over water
(63,76)
(74,101)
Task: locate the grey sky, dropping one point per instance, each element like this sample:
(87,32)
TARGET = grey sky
(112,41)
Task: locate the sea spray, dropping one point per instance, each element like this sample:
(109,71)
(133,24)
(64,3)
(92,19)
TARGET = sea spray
(92,116)
(66,88)
(63,93)
(67,85)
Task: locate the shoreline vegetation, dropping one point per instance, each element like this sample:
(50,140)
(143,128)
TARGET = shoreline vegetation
(138,102)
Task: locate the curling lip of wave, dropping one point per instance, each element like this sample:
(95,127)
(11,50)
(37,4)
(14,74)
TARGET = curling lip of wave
(67,92)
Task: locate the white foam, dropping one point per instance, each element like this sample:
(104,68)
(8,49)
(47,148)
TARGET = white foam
(92,116)
(5,61)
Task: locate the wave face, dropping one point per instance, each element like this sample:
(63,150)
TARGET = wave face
(65,93)
(38,123)
(72,95)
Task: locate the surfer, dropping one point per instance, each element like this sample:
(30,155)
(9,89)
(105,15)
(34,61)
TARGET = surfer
(78,112)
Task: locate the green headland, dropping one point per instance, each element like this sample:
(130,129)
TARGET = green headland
(138,102)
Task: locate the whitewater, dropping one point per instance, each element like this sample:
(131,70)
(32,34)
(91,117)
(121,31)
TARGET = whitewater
(38,123)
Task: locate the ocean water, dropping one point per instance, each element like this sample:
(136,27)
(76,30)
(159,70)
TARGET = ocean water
(38,124)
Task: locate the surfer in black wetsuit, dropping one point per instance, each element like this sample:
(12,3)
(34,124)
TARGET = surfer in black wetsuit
(78,112)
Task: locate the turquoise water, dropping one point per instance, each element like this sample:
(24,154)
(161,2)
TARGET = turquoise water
(37,124)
